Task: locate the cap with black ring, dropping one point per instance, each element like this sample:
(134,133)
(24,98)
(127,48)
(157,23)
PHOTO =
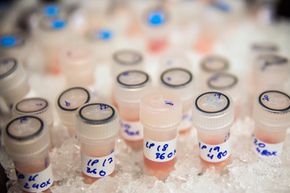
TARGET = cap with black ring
(72,98)
(214,64)
(24,127)
(268,60)
(133,78)
(222,81)
(176,77)
(11,41)
(7,67)
(31,105)
(96,121)
(127,57)
(272,109)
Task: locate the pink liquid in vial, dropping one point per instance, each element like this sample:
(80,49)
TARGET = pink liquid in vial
(157,46)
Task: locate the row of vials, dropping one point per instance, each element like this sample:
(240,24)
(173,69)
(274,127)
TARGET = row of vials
(156,118)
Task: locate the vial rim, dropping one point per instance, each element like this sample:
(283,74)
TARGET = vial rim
(29,99)
(28,137)
(11,70)
(93,121)
(272,109)
(133,85)
(206,69)
(68,90)
(235,78)
(264,46)
(176,85)
(126,51)
(212,112)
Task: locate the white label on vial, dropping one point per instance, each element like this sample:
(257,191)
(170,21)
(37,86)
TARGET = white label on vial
(267,149)
(131,130)
(160,151)
(36,182)
(214,153)
(186,122)
(97,167)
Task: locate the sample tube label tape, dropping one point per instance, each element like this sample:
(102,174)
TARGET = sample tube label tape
(97,167)
(263,149)
(186,121)
(131,130)
(35,182)
(160,151)
(214,153)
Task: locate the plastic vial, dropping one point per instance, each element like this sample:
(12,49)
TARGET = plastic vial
(35,106)
(160,115)
(13,80)
(26,140)
(78,65)
(271,71)
(179,81)
(156,29)
(213,116)
(97,129)
(130,87)
(210,65)
(229,83)
(272,119)
(67,104)
(124,60)
(52,36)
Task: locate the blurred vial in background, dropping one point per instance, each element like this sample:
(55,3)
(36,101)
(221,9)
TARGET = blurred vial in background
(129,88)
(124,60)
(27,142)
(38,107)
(77,63)
(156,28)
(210,65)
(229,83)
(179,81)
(213,117)
(97,129)
(272,119)
(13,81)
(160,115)
(67,104)
(52,35)
(271,71)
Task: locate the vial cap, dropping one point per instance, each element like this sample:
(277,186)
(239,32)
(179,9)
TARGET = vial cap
(272,62)
(131,86)
(160,111)
(222,81)
(72,98)
(10,40)
(51,10)
(34,106)
(273,109)
(213,111)
(7,67)
(25,136)
(96,121)
(127,57)
(214,64)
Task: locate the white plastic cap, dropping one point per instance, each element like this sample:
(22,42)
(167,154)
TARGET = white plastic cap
(272,109)
(96,121)
(222,81)
(213,111)
(34,106)
(178,81)
(69,101)
(12,77)
(160,111)
(214,63)
(131,85)
(26,136)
